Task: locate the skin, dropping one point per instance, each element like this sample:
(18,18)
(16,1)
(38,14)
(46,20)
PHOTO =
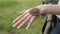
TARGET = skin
(26,16)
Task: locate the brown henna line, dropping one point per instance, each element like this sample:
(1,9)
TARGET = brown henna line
(34,12)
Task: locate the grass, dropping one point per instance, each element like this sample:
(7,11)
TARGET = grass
(9,11)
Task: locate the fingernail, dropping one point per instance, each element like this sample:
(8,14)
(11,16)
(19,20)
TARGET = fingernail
(27,28)
(13,22)
(18,28)
(13,25)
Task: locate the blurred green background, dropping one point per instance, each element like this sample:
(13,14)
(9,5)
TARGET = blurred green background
(9,11)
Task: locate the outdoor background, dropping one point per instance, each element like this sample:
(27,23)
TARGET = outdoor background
(9,11)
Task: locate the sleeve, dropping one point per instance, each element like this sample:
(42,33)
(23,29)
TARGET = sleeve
(50,1)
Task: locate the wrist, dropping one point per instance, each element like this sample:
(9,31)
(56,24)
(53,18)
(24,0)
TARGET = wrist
(42,9)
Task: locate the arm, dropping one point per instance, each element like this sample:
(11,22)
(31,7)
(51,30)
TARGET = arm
(31,14)
(49,9)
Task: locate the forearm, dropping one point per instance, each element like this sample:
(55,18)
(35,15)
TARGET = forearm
(49,9)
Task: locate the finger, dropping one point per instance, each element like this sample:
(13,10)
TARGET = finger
(20,20)
(24,11)
(21,12)
(27,19)
(14,21)
(30,22)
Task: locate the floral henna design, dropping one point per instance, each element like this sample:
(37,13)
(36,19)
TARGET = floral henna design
(34,12)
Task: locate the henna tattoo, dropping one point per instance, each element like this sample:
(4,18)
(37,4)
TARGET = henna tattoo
(34,12)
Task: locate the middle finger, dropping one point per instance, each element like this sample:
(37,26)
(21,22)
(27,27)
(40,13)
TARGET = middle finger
(20,20)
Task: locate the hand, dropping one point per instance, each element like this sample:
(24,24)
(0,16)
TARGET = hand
(29,15)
